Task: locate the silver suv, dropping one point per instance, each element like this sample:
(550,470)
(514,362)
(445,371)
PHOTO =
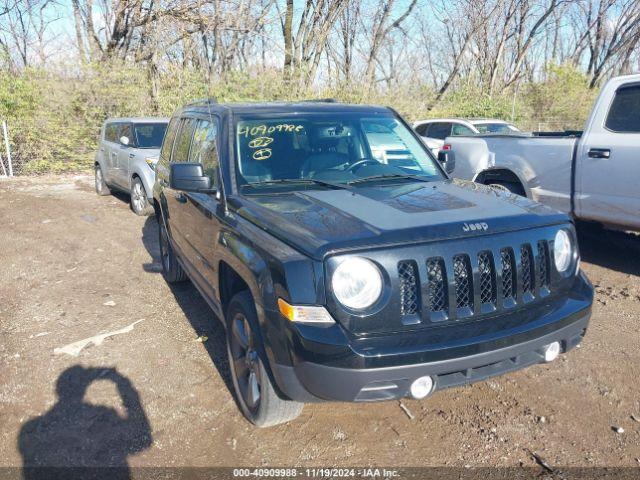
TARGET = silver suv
(126,158)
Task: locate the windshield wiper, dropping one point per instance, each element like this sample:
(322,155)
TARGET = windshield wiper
(304,181)
(386,176)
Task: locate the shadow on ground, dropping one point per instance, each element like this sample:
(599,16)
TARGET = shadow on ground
(610,249)
(77,439)
(202,319)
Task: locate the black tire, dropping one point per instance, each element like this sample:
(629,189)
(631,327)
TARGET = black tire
(101,186)
(172,271)
(255,394)
(138,199)
(507,187)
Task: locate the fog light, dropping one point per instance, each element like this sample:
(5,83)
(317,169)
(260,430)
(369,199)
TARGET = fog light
(551,351)
(421,387)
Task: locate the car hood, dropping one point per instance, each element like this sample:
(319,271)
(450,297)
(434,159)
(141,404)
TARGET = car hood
(318,222)
(148,152)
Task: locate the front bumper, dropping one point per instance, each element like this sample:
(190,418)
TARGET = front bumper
(376,371)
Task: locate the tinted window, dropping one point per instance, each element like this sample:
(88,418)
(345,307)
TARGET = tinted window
(204,149)
(459,129)
(111,132)
(624,114)
(422,129)
(183,140)
(149,135)
(125,131)
(439,130)
(167,143)
(495,128)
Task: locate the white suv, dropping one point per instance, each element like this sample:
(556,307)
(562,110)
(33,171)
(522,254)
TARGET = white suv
(126,158)
(434,131)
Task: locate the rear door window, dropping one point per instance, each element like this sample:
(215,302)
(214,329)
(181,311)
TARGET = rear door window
(624,113)
(422,129)
(111,132)
(183,140)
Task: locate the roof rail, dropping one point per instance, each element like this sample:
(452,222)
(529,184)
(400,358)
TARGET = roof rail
(202,101)
(320,100)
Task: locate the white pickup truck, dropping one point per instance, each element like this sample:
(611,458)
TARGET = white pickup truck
(594,174)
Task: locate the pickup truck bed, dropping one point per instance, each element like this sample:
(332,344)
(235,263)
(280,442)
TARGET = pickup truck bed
(592,174)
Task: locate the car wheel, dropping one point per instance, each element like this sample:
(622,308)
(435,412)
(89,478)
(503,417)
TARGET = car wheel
(139,201)
(172,271)
(101,186)
(256,396)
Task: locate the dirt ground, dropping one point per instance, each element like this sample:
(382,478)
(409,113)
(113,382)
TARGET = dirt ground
(74,265)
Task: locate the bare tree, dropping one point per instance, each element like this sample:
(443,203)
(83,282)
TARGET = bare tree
(23,30)
(611,29)
(381,26)
(305,45)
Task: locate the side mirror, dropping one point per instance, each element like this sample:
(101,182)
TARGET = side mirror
(448,160)
(188,177)
(124,140)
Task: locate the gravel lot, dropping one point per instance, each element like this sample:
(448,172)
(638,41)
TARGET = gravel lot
(75,265)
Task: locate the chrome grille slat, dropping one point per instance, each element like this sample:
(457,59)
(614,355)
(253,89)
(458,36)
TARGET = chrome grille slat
(409,299)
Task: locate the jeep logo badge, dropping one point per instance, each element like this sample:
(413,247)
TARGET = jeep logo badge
(472,227)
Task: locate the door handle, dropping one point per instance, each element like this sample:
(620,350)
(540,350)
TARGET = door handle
(131,155)
(599,153)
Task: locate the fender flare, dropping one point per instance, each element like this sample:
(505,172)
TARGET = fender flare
(523,182)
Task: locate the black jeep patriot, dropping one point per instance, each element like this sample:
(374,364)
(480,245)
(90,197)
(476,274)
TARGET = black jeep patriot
(348,266)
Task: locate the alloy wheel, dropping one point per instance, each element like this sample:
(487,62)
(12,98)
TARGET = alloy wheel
(246,362)
(138,198)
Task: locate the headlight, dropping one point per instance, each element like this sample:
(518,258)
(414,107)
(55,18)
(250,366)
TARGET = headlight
(357,283)
(562,251)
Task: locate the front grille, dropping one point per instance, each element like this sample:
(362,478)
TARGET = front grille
(463,281)
(408,275)
(494,281)
(436,284)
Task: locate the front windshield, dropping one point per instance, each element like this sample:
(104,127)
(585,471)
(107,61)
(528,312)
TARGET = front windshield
(495,128)
(149,135)
(335,148)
